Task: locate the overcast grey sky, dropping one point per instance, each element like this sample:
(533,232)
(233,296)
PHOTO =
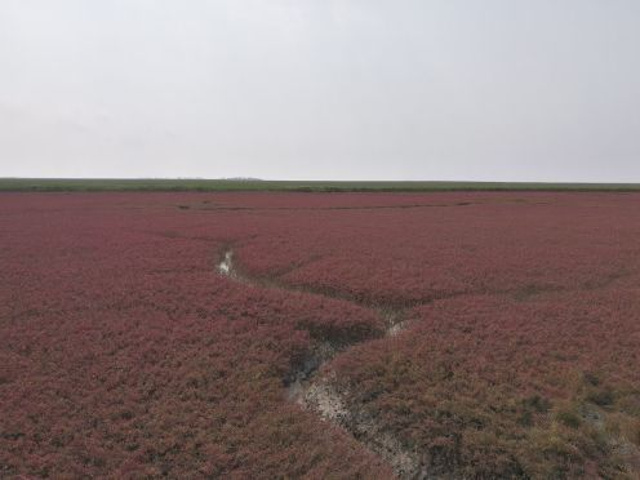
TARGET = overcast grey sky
(540,90)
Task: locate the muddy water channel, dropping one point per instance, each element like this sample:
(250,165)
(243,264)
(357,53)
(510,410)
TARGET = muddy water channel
(315,392)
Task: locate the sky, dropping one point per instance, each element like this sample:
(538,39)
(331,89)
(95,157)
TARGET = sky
(495,90)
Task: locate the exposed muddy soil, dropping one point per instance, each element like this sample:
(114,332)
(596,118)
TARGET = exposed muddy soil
(314,391)
(322,397)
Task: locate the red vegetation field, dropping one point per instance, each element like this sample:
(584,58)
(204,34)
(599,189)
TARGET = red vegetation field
(123,352)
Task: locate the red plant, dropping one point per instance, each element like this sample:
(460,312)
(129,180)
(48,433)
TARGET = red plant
(124,353)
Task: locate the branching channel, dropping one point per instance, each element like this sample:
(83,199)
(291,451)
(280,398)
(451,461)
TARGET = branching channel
(316,393)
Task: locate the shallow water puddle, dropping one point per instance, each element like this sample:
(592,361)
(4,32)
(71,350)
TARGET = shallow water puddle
(225,267)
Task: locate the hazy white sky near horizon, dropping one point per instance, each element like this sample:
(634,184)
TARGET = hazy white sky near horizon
(535,90)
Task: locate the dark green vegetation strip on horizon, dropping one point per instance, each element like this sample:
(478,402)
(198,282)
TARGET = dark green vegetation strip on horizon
(168,185)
